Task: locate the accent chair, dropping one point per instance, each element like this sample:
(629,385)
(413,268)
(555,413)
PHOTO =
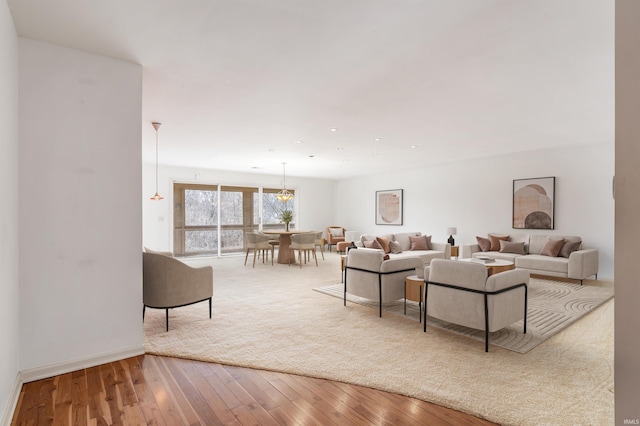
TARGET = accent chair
(168,283)
(335,234)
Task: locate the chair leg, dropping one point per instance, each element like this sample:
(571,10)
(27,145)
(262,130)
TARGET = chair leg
(144,307)
(315,257)
(300,258)
(210,307)
(322,251)
(272,255)
(167,317)
(254,257)
(245,258)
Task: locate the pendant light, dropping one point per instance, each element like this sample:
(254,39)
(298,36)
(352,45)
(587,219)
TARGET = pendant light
(156,197)
(284,195)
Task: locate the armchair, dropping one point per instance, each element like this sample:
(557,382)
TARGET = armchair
(168,283)
(368,275)
(461,293)
(335,234)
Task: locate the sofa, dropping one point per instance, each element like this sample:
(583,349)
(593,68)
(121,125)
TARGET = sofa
(400,246)
(541,254)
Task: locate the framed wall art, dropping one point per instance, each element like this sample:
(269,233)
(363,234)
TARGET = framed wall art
(534,203)
(389,207)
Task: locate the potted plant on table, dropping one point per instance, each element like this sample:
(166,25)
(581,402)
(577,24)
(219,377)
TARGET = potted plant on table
(286,217)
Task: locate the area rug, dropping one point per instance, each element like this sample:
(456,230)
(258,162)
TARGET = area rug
(553,306)
(269,317)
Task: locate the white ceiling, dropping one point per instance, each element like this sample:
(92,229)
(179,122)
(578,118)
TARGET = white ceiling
(236,82)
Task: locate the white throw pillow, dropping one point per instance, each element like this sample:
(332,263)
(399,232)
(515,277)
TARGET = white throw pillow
(336,232)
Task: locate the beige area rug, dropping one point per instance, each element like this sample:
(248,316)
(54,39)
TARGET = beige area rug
(270,318)
(552,306)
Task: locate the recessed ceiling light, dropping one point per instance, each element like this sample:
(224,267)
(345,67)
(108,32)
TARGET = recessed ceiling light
(312,156)
(271,150)
(298,142)
(414,146)
(333,129)
(375,154)
(340,148)
(377,139)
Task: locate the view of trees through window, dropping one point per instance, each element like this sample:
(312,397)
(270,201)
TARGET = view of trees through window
(206,216)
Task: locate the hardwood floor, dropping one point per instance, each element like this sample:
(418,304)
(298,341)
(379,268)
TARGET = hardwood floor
(157,390)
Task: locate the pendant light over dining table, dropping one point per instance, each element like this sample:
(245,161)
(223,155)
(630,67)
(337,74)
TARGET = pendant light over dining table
(156,197)
(284,195)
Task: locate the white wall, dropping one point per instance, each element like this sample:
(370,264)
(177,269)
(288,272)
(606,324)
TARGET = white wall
(8,212)
(80,206)
(476,197)
(314,198)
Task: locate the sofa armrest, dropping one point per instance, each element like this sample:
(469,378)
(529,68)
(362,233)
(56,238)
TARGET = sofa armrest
(583,264)
(444,247)
(507,279)
(468,250)
(401,264)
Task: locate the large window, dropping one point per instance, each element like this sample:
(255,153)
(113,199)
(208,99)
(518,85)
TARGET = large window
(212,219)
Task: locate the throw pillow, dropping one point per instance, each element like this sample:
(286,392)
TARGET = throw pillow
(552,247)
(484,243)
(372,244)
(509,247)
(336,232)
(569,247)
(495,241)
(384,243)
(420,243)
(395,247)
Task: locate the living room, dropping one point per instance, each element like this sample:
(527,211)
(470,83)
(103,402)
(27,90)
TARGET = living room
(55,320)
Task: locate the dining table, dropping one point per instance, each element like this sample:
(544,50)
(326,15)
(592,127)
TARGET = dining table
(284,254)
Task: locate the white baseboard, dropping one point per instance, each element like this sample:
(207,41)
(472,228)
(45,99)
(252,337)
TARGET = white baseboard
(51,370)
(12,402)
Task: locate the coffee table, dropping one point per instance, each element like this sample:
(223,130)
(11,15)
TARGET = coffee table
(495,267)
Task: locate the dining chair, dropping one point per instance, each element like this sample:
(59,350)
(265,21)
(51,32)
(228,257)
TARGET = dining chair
(258,243)
(319,243)
(305,242)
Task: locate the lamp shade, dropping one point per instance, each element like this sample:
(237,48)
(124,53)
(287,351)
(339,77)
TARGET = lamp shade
(452,231)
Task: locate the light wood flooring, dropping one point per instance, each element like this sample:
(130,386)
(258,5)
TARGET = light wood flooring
(156,390)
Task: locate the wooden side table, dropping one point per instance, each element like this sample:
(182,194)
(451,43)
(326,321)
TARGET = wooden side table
(454,251)
(413,286)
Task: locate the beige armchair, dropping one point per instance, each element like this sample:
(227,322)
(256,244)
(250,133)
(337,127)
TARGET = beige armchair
(168,283)
(335,234)
(460,293)
(368,275)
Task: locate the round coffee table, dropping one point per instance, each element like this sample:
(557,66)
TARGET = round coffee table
(495,267)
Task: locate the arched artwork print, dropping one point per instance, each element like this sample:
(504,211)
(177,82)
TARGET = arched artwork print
(389,207)
(534,203)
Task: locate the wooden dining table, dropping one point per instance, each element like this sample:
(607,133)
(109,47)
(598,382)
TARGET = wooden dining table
(284,254)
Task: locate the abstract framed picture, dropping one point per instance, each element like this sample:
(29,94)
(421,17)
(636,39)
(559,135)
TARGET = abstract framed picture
(534,203)
(389,207)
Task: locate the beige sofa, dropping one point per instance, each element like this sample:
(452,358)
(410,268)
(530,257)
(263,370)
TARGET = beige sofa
(403,247)
(527,251)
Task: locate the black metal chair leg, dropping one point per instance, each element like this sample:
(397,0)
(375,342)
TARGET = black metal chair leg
(210,307)
(144,307)
(167,318)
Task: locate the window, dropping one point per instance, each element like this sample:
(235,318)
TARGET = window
(212,219)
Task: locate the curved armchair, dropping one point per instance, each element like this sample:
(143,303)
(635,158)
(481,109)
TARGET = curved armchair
(318,243)
(368,275)
(335,234)
(461,293)
(168,283)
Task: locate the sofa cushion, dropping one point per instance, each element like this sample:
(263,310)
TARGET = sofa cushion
(495,241)
(537,262)
(403,239)
(570,245)
(484,243)
(395,247)
(384,243)
(373,244)
(511,247)
(336,232)
(552,247)
(423,242)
